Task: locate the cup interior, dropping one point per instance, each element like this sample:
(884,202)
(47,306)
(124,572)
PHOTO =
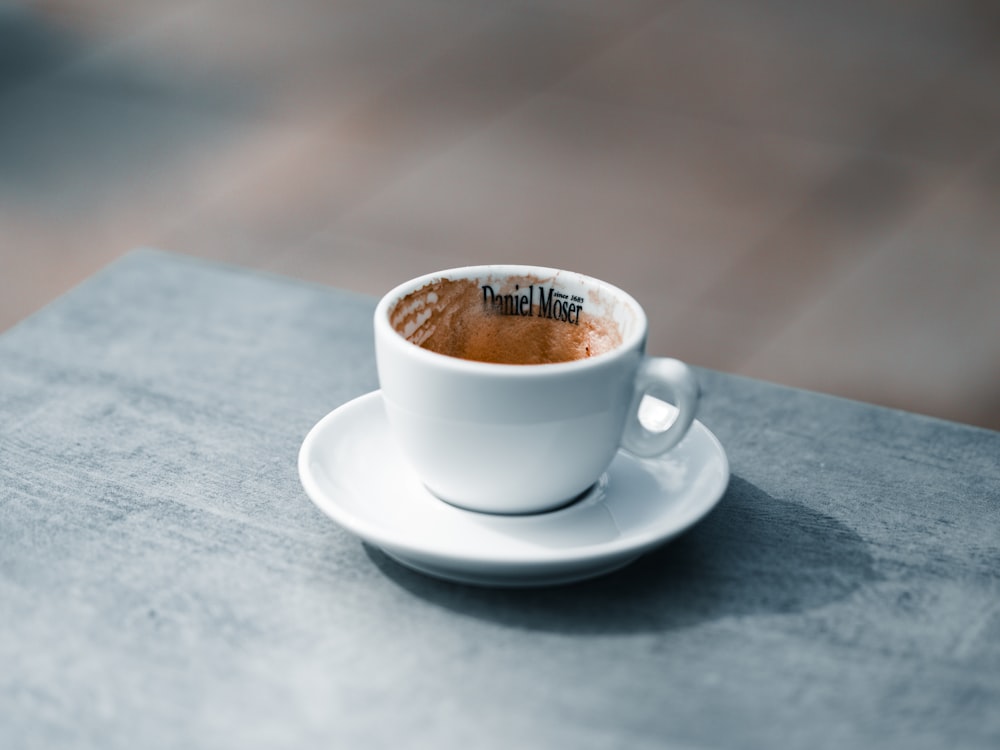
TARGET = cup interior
(514,315)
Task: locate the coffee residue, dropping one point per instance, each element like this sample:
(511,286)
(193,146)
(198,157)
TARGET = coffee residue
(451,318)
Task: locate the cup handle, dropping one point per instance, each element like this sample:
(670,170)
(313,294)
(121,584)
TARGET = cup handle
(673,381)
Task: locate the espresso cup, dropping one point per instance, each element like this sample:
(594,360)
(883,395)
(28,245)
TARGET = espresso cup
(511,388)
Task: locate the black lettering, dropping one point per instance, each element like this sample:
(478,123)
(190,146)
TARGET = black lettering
(518,303)
(544,304)
(488,295)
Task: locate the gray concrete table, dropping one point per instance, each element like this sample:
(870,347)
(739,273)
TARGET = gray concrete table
(165,582)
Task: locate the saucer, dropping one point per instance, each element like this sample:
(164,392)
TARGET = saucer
(351,469)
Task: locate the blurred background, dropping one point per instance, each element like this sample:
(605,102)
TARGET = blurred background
(801,191)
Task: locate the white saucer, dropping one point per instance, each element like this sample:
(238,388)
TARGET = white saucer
(352,470)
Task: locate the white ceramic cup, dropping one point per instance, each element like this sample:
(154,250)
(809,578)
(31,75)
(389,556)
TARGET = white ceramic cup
(520,438)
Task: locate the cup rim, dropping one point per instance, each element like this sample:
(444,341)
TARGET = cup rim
(635,340)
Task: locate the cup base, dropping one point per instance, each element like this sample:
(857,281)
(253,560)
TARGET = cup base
(560,505)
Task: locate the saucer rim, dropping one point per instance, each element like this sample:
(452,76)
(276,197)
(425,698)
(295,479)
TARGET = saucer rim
(541,576)
(631,545)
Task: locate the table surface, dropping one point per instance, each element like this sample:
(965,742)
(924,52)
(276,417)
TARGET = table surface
(165,582)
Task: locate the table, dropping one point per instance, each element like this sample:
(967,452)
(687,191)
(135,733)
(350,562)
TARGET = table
(165,582)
